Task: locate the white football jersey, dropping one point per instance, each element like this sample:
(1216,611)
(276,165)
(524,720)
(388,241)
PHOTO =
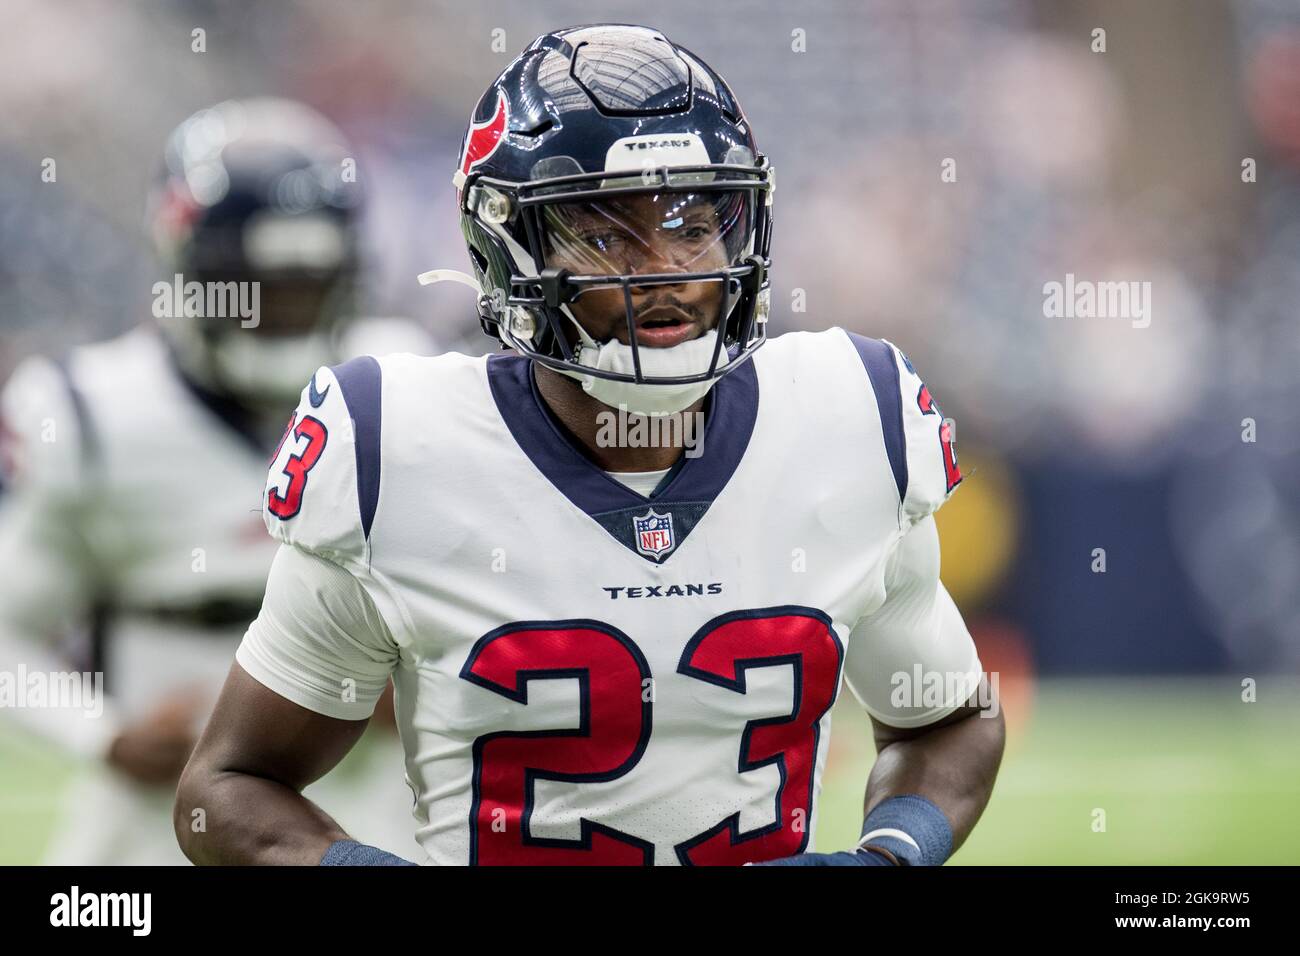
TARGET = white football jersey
(137,505)
(586,675)
(133,505)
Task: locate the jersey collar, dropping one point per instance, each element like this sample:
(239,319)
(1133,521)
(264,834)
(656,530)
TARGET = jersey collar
(686,492)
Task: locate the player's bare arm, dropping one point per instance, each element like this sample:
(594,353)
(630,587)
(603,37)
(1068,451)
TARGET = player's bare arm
(240,799)
(953,762)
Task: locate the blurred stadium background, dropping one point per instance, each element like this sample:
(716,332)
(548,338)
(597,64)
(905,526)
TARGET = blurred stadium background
(1123,689)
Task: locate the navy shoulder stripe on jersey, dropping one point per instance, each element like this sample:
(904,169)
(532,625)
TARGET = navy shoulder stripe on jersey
(99,618)
(360,380)
(86,430)
(878,358)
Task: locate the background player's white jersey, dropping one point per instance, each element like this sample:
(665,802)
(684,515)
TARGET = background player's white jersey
(134,508)
(585,675)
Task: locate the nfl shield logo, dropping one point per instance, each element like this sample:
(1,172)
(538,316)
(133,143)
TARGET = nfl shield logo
(654,534)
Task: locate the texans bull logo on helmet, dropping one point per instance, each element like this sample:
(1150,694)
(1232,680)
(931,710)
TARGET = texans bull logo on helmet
(483,138)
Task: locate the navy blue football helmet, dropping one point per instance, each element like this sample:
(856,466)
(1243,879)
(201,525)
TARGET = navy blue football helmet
(258,191)
(584,122)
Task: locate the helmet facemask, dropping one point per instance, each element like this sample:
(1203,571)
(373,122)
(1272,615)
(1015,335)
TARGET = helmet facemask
(677,254)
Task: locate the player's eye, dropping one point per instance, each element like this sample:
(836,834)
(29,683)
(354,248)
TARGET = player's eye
(604,240)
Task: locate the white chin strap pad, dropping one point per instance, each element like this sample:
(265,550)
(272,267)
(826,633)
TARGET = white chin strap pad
(688,358)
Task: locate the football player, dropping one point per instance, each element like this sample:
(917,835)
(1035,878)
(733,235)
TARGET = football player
(608,652)
(138,464)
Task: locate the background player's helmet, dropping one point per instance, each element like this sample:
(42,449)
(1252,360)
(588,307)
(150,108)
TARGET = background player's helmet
(258,191)
(584,117)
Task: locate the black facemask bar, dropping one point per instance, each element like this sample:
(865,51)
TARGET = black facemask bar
(741,322)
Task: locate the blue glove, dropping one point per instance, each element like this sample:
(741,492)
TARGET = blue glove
(352,853)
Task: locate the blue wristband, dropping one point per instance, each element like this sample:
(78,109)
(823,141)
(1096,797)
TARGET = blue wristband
(910,827)
(352,853)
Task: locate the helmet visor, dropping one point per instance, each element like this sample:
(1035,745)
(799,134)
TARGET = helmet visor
(648,233)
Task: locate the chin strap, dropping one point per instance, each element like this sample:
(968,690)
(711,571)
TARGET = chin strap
(585,341)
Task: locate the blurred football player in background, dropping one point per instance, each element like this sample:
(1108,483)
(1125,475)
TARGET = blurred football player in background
(136,465)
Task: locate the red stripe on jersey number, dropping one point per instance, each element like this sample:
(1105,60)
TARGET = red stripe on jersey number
(615,726)
(929,406)
(297,467)
(722,652)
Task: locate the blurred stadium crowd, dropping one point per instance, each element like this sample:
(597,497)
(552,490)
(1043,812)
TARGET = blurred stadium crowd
(1076,434)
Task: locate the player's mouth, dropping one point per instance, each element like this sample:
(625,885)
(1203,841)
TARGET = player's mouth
(664,327)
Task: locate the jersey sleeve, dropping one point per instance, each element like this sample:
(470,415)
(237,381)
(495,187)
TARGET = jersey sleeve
(319,640)
(918,438)
(325,635)
(912,661)
(932,470)
(322,487)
